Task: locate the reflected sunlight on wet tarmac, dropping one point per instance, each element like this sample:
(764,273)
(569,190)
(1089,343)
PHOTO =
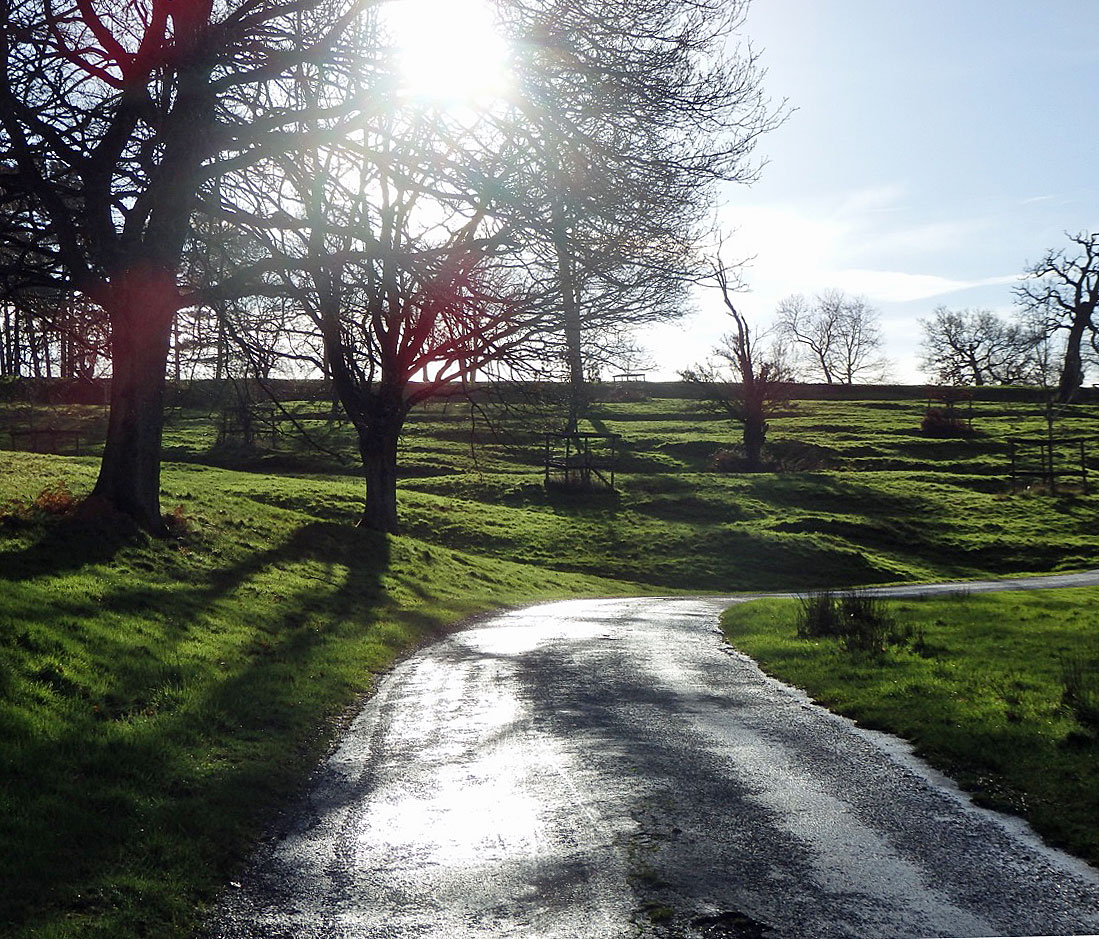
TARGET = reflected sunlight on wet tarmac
(611,768)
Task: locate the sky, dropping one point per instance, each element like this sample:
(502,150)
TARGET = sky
(933,150)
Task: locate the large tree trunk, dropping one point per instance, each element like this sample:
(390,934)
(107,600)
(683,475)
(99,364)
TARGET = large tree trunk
(142,302)
(1072,372)
(129,474)
(378,412)
(378,439)
(755,435)
(975,369)
(578,388)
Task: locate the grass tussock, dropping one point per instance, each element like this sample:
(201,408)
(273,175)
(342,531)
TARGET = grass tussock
(861,622)
(1080,692)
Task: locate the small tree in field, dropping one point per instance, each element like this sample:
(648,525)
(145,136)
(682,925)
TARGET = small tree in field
(744,384)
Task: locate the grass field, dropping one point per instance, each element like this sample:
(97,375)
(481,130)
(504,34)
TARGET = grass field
(867,498)
(159,698)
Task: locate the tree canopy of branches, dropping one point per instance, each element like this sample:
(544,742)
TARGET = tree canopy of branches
(183,155)
(837,337)
(976,347)
(629,113)
(1061,293)
(383,237)
(113,116)
(424,244)
(743,383)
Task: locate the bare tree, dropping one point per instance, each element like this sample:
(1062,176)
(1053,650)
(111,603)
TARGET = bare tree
(631,112)
(977,347)
(1062,293)
(113,116)
(385,239)
(837,336)
(49,333)
(745,384)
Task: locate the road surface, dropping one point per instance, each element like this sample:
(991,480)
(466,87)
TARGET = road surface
(612,768)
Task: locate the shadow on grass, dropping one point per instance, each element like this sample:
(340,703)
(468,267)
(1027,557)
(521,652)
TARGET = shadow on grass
(568,500)
(174,766)
(57,546)
(365,553)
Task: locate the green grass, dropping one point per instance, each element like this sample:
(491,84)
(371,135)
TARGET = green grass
(886,504)
(982,698)
(158,699)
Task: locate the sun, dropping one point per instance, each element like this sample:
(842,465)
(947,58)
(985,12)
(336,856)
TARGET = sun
(447,50)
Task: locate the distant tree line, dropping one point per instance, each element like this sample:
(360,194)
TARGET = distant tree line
(835,338)
(832,338)
(52,336)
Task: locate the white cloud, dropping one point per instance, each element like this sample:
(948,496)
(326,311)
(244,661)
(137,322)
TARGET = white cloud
(901,287)
(928,239)
(790,252)
(873,200)
(863,242)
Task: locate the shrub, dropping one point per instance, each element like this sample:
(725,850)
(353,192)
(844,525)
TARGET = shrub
(177,522)
(860,621)
(1080,691)
(865,624)
(54,500)
(818,616)
(727,461)
(944,422)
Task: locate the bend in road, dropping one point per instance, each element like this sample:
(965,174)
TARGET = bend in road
(612,768)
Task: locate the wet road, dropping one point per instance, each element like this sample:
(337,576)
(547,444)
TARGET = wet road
(611,768)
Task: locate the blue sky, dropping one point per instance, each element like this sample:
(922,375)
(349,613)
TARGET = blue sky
(935,148)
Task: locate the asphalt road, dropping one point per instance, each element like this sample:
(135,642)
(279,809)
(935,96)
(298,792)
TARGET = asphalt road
(612,768)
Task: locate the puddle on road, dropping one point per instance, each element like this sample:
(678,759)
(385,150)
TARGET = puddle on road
(731,924)
(659,919)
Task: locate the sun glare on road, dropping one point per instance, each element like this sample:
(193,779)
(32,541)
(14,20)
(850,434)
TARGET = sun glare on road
(448,49)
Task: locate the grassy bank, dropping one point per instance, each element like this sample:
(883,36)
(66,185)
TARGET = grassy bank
(159,698)
(980,692)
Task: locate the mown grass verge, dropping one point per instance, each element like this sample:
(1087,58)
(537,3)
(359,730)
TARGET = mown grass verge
(158,699)
(981,694)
